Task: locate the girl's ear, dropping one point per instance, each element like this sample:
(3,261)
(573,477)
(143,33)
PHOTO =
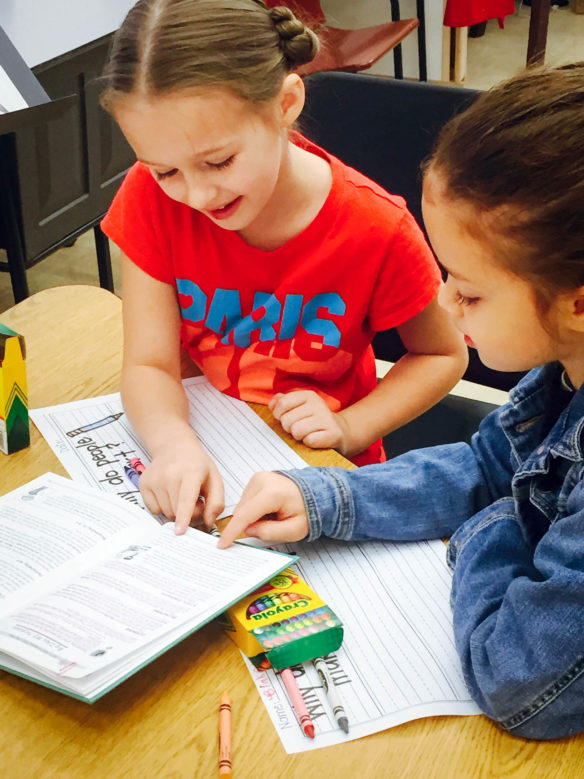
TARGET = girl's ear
(290,99)
(572,309)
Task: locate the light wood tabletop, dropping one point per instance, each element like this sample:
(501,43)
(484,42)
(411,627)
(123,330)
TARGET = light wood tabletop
(163,721)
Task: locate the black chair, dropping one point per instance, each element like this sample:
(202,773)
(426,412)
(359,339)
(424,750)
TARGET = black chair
(385,128)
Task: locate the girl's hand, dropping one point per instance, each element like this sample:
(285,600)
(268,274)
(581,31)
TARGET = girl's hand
(178,476)
(271,508)
(305,415)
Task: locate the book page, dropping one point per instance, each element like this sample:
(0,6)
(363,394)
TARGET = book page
(51,528)
(397,661)
(94,440)
(158,588)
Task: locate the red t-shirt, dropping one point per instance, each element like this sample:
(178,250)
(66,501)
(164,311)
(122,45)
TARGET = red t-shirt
(301,316)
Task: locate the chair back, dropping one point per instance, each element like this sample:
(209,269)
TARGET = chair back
(385,128)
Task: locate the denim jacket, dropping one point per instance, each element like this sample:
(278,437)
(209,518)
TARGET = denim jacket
(513,503)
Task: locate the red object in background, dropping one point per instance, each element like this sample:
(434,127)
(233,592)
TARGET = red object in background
(350,50)
(465,13)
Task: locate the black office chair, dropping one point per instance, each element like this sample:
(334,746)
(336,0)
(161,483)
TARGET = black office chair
(385,128)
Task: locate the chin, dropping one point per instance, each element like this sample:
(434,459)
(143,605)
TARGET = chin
(505,366)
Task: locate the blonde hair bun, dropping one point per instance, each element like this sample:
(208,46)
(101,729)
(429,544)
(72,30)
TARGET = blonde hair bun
(299,44)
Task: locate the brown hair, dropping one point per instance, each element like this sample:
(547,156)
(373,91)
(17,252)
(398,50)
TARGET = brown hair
(168,45)
(516,156)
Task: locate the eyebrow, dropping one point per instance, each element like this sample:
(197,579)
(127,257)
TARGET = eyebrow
(457,276)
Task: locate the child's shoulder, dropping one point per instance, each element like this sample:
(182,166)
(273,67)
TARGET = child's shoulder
(360,193)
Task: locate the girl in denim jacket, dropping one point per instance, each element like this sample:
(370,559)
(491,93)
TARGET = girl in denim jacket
(504,208)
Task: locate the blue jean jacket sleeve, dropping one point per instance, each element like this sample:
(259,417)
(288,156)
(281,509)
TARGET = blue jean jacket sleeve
(424,493)
(517,619)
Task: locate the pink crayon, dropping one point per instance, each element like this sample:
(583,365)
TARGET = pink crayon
(137,464)
(298,702)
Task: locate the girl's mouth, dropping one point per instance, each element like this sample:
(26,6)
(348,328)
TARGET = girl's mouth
(468,341)
(227,210)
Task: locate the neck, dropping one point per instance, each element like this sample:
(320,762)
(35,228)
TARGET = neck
(303,185)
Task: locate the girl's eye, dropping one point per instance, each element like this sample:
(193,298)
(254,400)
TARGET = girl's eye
(462,300)
(223,164)
(165,174)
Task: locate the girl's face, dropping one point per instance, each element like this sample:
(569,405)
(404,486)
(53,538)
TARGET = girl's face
(209,150)
(493,308)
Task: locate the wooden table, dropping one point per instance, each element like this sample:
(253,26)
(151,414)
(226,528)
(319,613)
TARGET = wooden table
(162,722)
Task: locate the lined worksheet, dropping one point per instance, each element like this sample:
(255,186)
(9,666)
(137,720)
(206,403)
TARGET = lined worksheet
(94,440)
(397,661)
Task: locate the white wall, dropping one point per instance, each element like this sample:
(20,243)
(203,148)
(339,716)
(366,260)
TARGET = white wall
(43,29)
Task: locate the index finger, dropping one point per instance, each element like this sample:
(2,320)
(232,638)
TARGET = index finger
(188,496)
(246,513)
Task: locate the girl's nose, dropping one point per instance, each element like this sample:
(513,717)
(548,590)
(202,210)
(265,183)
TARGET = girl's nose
(199,195)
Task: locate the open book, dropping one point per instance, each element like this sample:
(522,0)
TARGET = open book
(92,589)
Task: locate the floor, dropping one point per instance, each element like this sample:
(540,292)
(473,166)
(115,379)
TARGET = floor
(498,54)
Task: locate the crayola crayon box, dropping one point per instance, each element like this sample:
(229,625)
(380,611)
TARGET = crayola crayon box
(14,429)
(283,623)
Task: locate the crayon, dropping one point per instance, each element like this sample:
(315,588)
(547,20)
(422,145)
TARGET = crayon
(225,735)
(298,702)
(331,693)
(137,464)
(132,475)
(93,425)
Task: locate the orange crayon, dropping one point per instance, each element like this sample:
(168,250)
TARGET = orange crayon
(298,702)
(225,735)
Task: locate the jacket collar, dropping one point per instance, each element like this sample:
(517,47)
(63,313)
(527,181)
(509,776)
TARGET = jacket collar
(544,418)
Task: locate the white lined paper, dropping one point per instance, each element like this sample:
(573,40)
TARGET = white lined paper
(397,661)
(237,439)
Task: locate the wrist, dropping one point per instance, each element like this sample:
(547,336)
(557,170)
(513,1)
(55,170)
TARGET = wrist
(351,444)
(173,436)
(327,500)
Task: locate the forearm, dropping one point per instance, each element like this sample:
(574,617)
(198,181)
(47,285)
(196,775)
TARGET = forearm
(426,493)
(156,404)
(413,385)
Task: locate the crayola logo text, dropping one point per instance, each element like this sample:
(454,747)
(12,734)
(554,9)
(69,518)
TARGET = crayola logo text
(298,604)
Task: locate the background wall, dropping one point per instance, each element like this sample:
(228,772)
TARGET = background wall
(46,29)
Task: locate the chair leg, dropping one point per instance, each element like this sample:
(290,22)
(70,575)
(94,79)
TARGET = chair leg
(538,29)
(397,52)
(104,260)
(398,68)
(18,280)
(421,14)
(13,241)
